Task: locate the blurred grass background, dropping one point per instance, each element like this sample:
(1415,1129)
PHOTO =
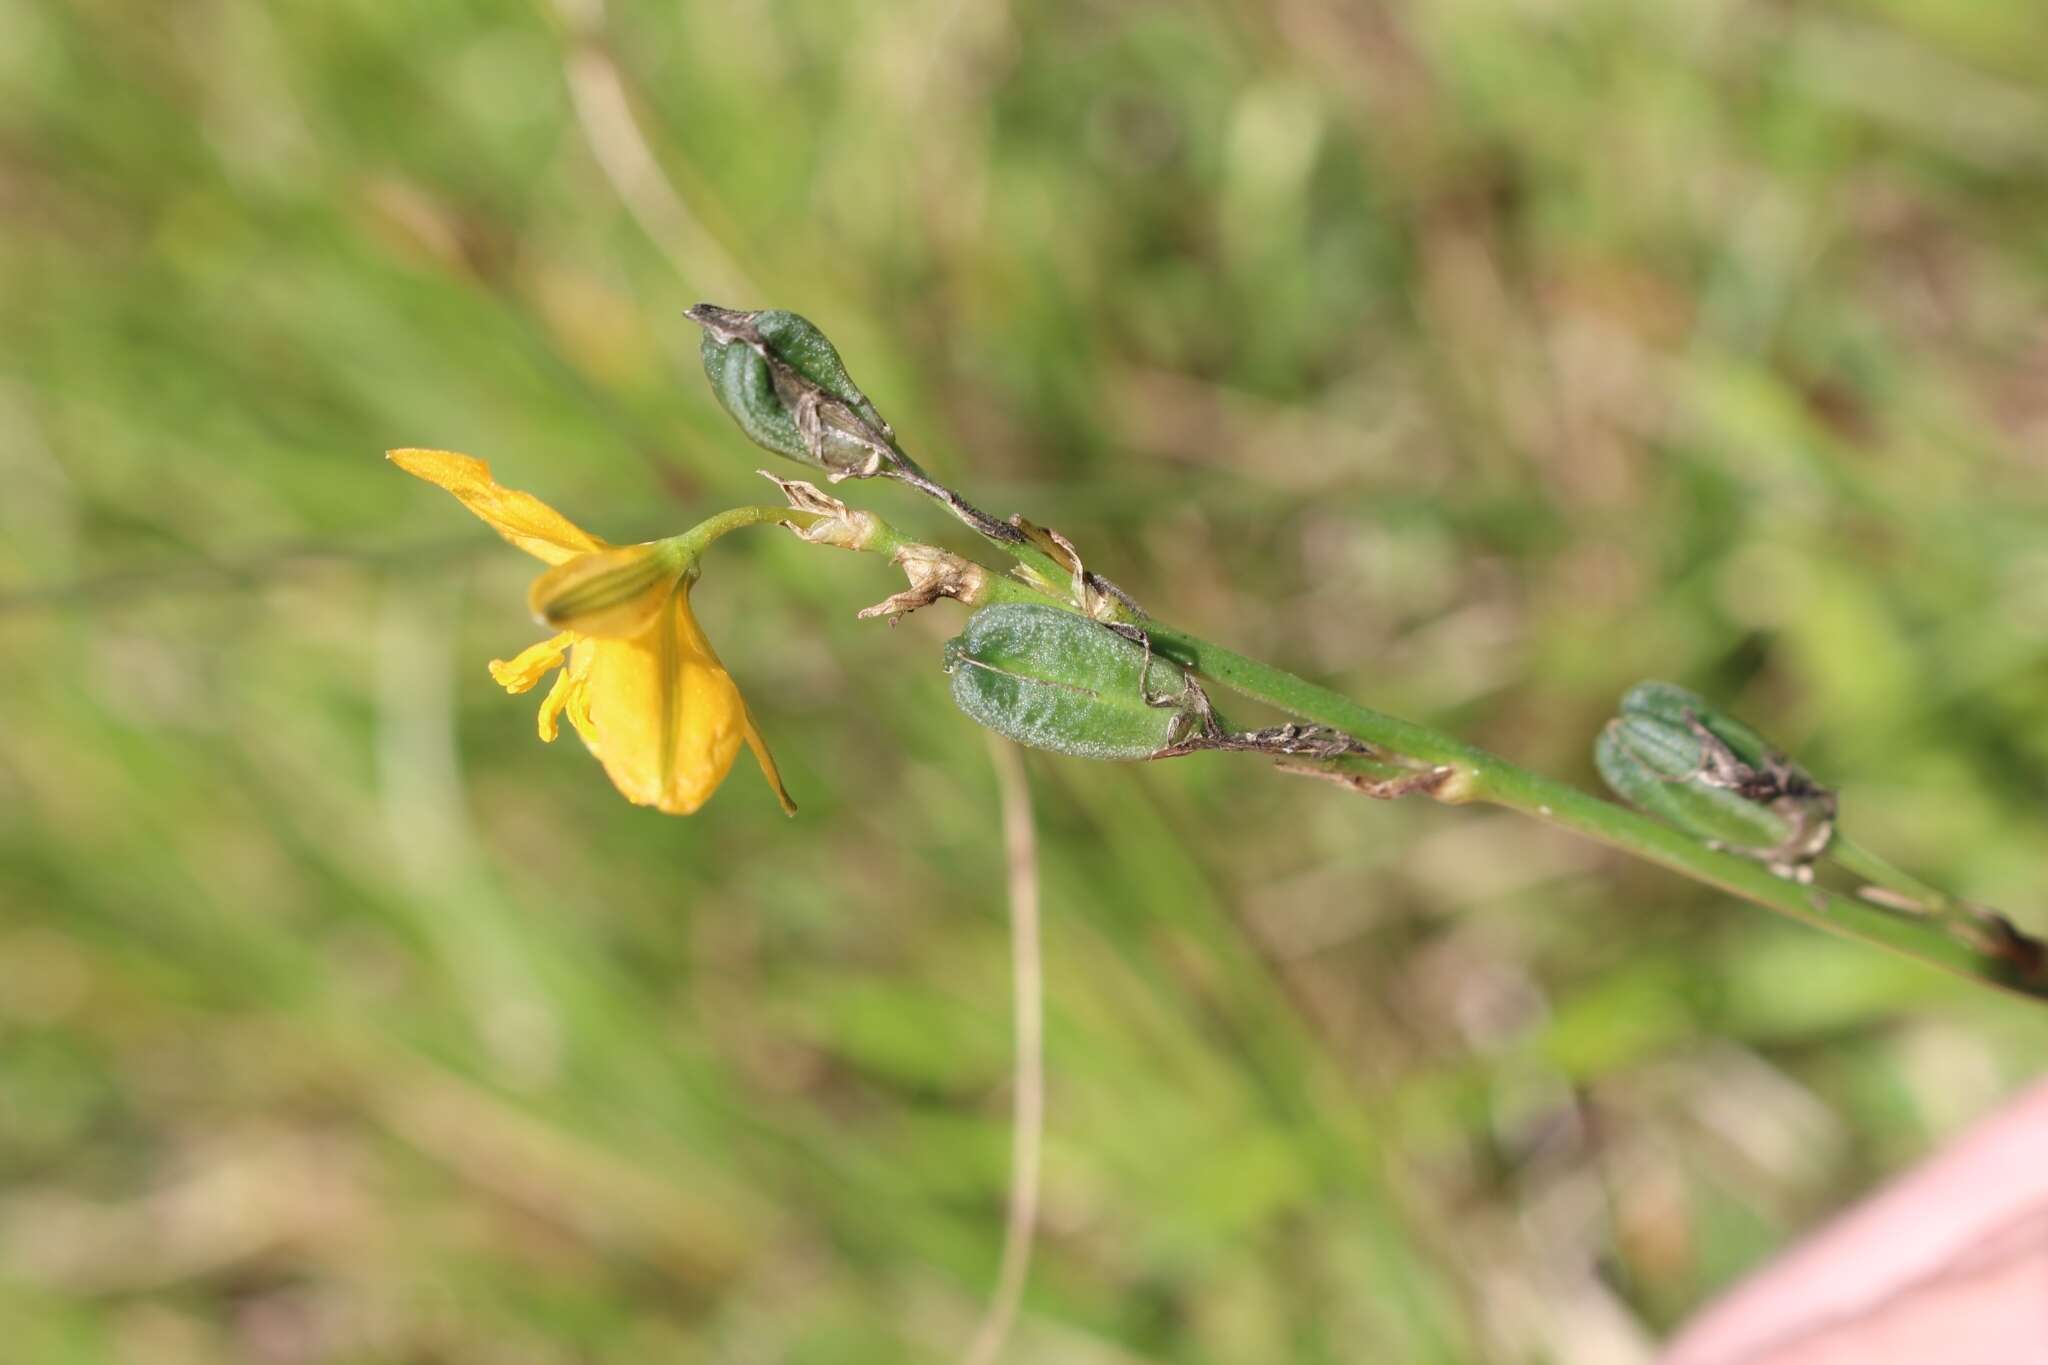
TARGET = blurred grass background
(1479,358)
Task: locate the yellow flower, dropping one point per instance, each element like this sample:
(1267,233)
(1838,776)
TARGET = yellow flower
(638,679)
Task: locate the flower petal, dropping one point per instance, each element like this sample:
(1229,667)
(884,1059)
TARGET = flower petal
(531,664)
(521,518)
(692,640)
(552,705)
(577,703)
(612,593)
(767,762)
(666,718)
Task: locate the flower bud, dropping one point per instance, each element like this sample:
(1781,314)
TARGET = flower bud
(783,382)
(1051,679)
(1674,756)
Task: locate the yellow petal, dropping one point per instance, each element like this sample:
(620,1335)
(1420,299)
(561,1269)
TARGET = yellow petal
(610,593)
(767,762)
(692,638)
(531,664)
(666,718)
(577,703)
(521,518)
(552,704)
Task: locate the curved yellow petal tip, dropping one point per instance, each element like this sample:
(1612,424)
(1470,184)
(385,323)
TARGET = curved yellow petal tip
(519,517)
(443,467)
(767,762)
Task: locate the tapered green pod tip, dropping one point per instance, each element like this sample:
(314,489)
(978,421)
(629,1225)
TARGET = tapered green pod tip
(1672,754)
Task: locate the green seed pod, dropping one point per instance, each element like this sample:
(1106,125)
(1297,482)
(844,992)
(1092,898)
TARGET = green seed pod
(785,385)
(1674,756)
(1050,679)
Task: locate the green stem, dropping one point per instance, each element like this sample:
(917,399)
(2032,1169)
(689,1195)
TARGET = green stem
(1859,861)
(1053,577)
(699,537)
(1481,776)
(1958,916)
(1948,938)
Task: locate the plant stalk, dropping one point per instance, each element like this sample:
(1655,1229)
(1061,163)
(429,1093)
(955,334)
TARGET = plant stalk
(1980,946)
(1482,776)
